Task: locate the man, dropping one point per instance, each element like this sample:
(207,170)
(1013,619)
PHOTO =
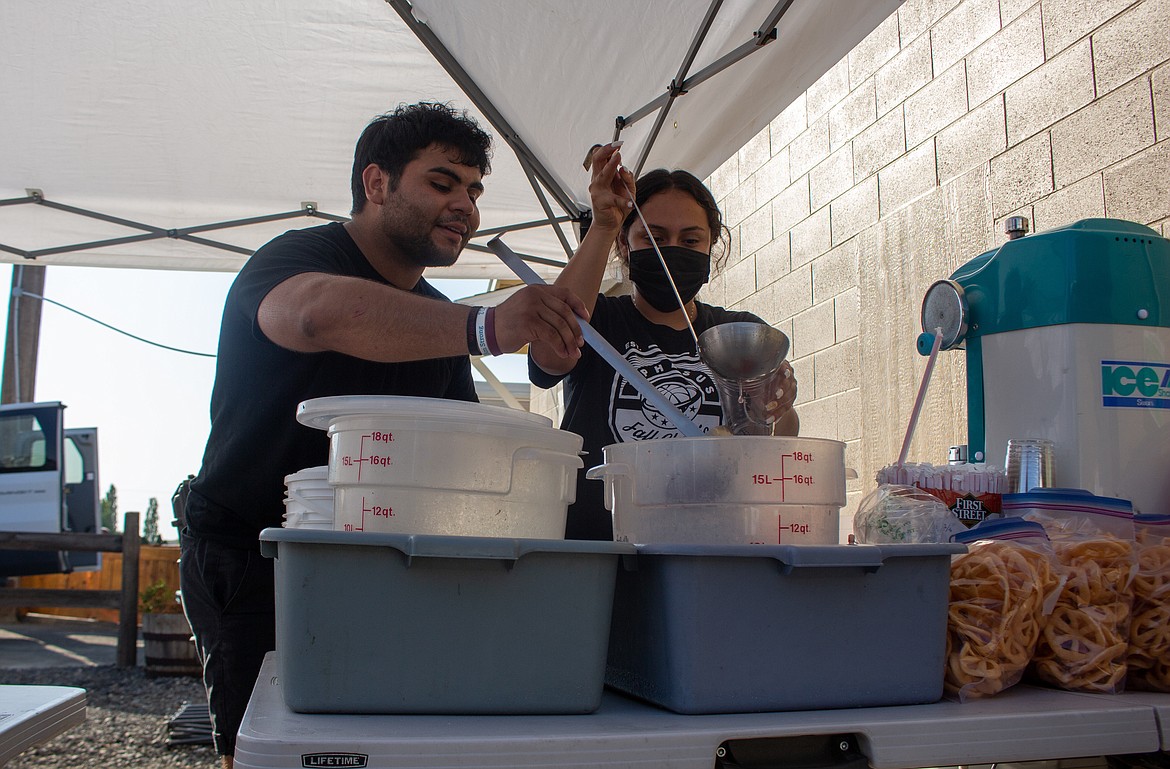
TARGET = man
(337,310)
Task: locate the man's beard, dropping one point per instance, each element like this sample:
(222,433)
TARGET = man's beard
(420,249)
(411,232)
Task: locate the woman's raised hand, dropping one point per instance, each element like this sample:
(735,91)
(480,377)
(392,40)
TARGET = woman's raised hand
(611,188)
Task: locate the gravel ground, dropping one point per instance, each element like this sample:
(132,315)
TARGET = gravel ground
(125,722)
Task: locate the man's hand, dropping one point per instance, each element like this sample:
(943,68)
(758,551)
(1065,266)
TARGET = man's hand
(541,314)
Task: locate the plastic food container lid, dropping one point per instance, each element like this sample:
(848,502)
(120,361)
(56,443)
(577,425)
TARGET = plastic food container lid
(319,473)
(320,412)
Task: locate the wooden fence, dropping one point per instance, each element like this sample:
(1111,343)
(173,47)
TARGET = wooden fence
(156,563)
(124,598)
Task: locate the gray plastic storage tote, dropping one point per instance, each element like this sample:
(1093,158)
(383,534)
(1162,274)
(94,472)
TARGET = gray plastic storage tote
(396,623)
(753,628)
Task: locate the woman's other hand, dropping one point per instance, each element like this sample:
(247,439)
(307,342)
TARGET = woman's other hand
(779,410)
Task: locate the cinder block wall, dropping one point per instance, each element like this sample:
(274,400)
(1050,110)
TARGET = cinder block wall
(902,163)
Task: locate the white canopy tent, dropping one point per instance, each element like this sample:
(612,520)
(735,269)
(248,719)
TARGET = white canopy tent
(133,132)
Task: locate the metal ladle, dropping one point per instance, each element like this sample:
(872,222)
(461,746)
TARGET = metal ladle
(651,393)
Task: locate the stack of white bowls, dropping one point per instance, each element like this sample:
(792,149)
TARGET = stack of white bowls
(308,501)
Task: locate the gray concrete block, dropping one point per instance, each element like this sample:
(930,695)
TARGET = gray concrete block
(903,75)
(876,49)
(852,114)
(957,33)
(880,144)
(937,105)
(1160,86)
(1057,89)
(790,206)
(773,178)
(1138,189)
(753,155)
(724,178)
(917,16)
(785,297)
(1081,200)
(755,231)
(909,177)
(1067,21)
(828,90)
(788,124)
(739,281)
(837,369)
(809,148)
(773,261)
(1006,57)
(831,177)
(811,238)
(836,272)
(814,326)
(1009,10)
(854,210)
(847,312)
(1021,175)
(1108,130)
(1131,44)
(972,140)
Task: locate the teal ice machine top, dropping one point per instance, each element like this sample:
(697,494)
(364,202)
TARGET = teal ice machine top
(1091,271)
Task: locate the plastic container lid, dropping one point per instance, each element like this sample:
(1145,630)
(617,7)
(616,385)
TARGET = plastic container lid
(319,473)
(1075,500)
(1001,528)
(320,412)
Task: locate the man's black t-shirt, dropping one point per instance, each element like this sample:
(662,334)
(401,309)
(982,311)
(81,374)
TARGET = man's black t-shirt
(255,439)
(604,409)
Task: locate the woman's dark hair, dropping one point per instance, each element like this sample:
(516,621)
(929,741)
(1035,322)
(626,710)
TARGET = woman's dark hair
(394,139)
(659,180)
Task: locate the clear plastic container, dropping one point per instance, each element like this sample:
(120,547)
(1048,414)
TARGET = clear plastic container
(735,490)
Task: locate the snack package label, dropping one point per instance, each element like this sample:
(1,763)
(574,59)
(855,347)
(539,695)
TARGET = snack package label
(969,507)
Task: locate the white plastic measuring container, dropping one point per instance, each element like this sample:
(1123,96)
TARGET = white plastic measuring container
(742,489)
(435,466)
(308,501)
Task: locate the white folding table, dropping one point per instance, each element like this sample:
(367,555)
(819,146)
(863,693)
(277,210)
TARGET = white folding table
(31,715)
(1022,724)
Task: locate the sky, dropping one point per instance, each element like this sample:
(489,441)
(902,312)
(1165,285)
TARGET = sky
(150,405)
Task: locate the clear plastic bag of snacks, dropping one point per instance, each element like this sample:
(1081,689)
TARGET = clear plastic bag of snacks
(1149,631)
(895,514)
(1084,644)
(1002,591)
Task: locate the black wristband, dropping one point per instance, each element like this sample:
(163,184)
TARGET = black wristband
(472,342)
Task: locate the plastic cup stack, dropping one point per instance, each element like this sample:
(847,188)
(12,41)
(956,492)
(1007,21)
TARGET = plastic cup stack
(1029,464)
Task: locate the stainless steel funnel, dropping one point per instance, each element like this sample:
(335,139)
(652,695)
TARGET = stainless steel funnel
(744,358)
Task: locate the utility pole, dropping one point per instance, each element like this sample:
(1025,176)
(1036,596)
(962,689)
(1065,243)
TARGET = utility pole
(24,334)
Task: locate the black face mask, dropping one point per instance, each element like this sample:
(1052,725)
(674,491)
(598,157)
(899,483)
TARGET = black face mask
(689,268)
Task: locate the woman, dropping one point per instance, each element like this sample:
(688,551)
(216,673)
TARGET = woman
(648,327)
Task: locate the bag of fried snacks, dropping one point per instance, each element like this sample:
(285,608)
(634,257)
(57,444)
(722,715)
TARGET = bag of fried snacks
(1084,644)
(1002,590)
(1149,631)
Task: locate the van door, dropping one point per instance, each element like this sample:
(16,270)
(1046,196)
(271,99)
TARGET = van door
(31,488)
(83,509)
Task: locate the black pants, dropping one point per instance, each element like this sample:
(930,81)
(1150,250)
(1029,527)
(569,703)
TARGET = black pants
(228,596)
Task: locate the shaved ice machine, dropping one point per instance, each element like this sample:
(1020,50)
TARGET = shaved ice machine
(1067,338)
